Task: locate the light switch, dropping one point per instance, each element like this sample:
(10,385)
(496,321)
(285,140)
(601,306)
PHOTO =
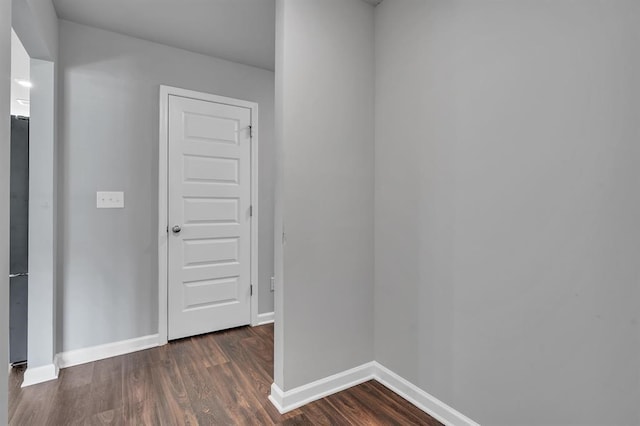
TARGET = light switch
(110,200)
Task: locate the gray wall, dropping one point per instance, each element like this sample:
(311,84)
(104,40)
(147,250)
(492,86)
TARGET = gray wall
(507,206)
(5,139)
(278,252)
(325,90)
(42,215)
(109,141)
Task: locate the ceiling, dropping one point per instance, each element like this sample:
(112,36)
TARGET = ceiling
(241,31)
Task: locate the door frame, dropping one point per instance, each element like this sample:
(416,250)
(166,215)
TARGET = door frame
(163,200)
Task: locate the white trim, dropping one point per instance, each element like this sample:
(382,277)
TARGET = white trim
(163,216)
(263,319)
(255,212)
(277,398)
(302,395)
(33,376)
(421,399)
(163,174)
(95,353)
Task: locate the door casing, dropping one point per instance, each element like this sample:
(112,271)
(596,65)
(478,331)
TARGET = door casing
(163,199)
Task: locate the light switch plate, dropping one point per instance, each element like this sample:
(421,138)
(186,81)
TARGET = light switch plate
(110,200)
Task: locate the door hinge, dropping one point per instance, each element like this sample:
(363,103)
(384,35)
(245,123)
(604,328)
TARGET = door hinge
(250,131)
(167,229)
(251,290)
(250,211)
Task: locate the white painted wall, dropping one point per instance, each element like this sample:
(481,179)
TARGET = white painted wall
(5,139)
(507,206)
(20,64)
(325,98)
(109,141)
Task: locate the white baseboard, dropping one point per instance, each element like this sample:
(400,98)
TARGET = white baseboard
(277,398)
(95,353)
(265,318)
(421,399)
(35,375)
(297,397)
(302,395)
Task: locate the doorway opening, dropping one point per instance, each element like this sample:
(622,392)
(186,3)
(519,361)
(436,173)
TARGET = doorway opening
(19,206)
(33,179)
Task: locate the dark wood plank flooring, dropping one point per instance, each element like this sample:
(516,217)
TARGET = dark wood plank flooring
(221,378)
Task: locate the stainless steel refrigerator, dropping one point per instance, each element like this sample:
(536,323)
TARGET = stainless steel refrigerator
(19,239)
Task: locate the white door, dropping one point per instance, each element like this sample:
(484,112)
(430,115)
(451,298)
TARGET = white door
(209,216)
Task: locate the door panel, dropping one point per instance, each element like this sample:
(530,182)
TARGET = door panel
(221,210)
(209,199)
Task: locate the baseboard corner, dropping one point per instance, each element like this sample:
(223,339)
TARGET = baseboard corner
(266,318)
(277,398)
(41,374)
(286,401)
(428,403)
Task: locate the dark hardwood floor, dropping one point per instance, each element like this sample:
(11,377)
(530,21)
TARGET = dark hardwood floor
(217,379)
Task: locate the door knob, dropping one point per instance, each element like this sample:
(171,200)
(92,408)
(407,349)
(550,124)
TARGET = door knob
(176,229)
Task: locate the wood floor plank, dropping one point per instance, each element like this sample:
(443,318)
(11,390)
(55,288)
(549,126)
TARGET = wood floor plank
(246,409)
(33,404)
(324,414)
(106,386)
(139,395)
(70,405)
(175,408)
(201,389)
(257,386)
(235,350)
(80,375)
(110,417)
(221,378)
(298,420)
(209,351)
(259,352)
(15,381)
(373,392)
(347,404)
